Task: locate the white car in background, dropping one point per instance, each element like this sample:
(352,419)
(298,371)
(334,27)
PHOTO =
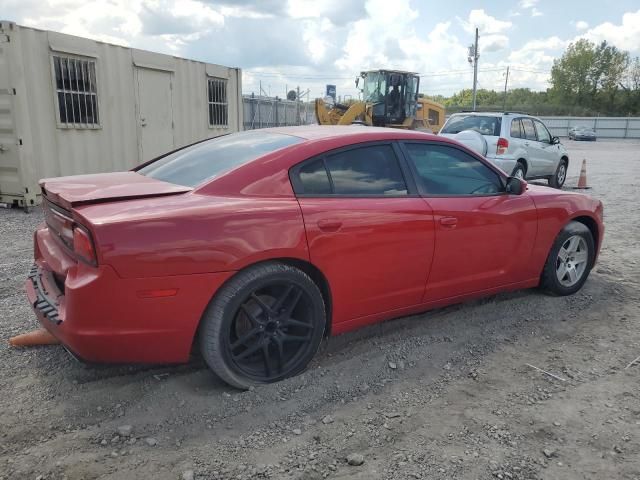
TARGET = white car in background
(518,143)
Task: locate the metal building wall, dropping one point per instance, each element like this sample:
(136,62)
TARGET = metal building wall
(34,145)
(605,127)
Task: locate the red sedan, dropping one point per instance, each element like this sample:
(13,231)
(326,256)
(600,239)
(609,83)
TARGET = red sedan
(255,245)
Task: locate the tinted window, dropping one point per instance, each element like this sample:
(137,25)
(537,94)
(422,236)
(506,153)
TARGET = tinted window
(543,133)
(445,170)
(516,129)
(486,125)
(198,163)
(434,117)
(529,131)
(370,170)
(314,179)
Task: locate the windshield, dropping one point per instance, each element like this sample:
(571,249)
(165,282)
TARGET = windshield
(203,161)
(374,87)
(485,125)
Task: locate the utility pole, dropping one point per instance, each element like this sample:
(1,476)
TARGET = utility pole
(298,105)
(473,59)
(506,82)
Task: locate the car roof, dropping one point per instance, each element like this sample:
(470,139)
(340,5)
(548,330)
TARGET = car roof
(484,114)
(322,132)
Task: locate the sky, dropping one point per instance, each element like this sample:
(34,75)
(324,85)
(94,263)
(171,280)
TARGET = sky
(281,45)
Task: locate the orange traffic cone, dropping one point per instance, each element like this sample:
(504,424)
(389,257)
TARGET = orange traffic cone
(37,337)
(582,181)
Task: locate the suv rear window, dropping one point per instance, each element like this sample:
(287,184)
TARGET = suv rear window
(193,165)
(484,124)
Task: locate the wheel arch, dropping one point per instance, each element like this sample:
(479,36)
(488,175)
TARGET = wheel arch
(307,267)
(319,279)
(523,161)
(592,225)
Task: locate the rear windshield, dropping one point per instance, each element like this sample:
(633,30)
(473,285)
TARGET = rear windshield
(204,161)
(484,124)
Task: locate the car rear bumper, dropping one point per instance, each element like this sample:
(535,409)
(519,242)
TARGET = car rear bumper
(504,163)
(101,317)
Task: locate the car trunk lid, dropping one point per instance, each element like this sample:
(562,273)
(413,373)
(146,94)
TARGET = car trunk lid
(76,190)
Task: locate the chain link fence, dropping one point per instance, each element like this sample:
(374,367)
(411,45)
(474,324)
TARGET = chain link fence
(264,112)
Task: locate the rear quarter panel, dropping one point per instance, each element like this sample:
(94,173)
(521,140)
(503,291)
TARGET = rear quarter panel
(193,233)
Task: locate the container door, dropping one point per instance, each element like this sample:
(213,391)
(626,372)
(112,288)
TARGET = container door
(155,113)
(11,185)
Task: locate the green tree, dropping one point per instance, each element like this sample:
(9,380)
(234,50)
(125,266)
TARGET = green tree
(589,75)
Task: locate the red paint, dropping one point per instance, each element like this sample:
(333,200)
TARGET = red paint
(164,250)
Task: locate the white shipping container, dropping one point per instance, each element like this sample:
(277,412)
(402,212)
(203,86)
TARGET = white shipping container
(71,105)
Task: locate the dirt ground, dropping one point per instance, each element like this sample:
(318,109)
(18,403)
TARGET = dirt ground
(444,395)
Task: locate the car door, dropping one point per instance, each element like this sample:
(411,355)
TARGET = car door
(368,230)
(549,153)
(484,236)
(531,146)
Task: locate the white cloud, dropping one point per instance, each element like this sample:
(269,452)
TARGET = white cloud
(581,25)
(530,5)
(625,36)
(493,43)
(527,3)
(485,23)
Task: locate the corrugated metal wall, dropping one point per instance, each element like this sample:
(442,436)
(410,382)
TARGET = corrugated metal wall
(606,127)
(35,145)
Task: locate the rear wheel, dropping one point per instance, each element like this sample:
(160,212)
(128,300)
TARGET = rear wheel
(263,326)
(557,179)
(519,171)
(570,260)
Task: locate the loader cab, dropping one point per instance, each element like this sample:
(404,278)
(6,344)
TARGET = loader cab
(392,95)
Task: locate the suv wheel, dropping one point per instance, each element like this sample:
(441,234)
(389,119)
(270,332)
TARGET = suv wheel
(558,178)
(519,171)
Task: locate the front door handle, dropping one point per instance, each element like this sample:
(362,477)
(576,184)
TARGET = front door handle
(449,222)
(329,225)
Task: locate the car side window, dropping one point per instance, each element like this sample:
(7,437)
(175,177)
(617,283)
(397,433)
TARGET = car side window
(543,133)
(314,178)
(529,129)
(371,170)
(444,170)
(516,128)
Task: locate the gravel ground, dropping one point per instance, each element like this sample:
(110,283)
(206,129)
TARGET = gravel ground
(443,395)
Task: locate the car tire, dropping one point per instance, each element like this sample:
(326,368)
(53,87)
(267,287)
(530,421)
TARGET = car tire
(560,176)
(573,249)
(248,334)
(520,170)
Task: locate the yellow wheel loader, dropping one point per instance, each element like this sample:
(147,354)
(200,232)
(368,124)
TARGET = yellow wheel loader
(390,99)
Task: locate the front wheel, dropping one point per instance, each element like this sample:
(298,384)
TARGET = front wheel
(263,326)
(569,261)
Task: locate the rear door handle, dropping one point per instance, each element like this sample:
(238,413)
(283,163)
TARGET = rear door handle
(449,222)
(329,225)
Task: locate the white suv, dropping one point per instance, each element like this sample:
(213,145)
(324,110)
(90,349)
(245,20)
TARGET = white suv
(518,143)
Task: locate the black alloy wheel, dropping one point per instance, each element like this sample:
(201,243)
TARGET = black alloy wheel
(264,326)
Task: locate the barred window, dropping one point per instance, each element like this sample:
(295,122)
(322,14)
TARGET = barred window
(76,91)
(218,106)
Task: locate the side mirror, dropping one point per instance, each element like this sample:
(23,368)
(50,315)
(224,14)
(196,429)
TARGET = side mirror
(516,186)
(555,140)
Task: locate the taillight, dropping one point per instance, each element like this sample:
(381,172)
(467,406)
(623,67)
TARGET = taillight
(83,246)
(503,145)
